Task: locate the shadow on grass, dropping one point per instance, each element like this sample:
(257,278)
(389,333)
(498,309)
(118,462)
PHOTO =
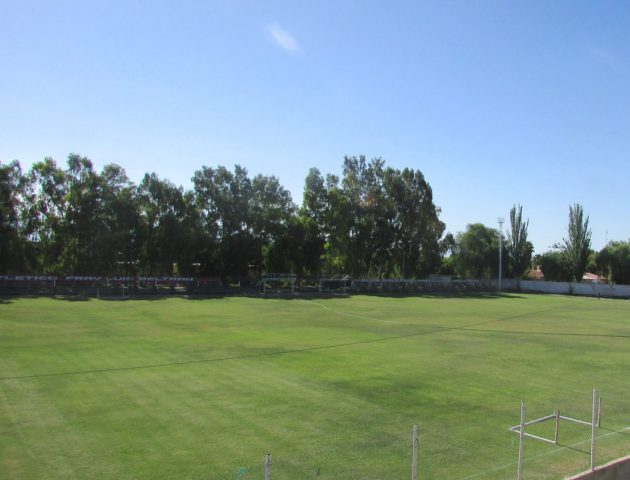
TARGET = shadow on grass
(7,299)
(573,448)
(431,295)
(134,296)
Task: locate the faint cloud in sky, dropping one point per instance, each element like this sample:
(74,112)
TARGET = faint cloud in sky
(603,56)
(283,38)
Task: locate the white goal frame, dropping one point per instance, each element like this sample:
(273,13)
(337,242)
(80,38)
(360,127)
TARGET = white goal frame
(596,421)
(281,278)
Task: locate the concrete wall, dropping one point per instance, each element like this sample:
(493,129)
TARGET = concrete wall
(616,470)
(568,288)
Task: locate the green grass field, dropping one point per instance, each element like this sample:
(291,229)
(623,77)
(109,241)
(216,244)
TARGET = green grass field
(202,389)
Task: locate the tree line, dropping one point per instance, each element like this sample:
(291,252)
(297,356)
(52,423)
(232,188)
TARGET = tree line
(370,221)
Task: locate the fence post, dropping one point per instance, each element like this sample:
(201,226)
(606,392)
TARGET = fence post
(599,411)
(521,439)
(414,455)
(594,430)
(557,432)
(268,466)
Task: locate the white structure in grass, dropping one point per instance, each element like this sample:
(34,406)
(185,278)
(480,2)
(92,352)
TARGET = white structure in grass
(338,283)
(284,281)
(415,442)
(268,466)
(596,420)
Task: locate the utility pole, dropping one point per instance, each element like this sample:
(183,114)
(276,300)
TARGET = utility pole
(500,220)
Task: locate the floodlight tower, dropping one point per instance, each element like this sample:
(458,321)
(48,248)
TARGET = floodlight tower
(500,220)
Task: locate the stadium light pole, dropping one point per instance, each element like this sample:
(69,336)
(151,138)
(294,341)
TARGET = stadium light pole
(500,220)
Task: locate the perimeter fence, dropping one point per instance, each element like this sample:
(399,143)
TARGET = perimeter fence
(96,286)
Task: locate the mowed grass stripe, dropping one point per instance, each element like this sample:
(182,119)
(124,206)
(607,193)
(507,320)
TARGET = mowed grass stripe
(88,360)
(56,444)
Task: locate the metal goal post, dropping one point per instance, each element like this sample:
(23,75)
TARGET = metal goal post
(596,421)
(281,282)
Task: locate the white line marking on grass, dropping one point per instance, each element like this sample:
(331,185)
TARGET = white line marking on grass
(354,315)
(544,454)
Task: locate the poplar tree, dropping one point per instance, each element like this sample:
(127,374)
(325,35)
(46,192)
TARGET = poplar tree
(519,249)
(576,248)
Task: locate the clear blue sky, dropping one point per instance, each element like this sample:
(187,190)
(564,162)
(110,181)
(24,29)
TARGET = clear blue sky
(496,102)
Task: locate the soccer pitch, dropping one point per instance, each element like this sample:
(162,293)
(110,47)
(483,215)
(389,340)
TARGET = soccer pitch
(202,389)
